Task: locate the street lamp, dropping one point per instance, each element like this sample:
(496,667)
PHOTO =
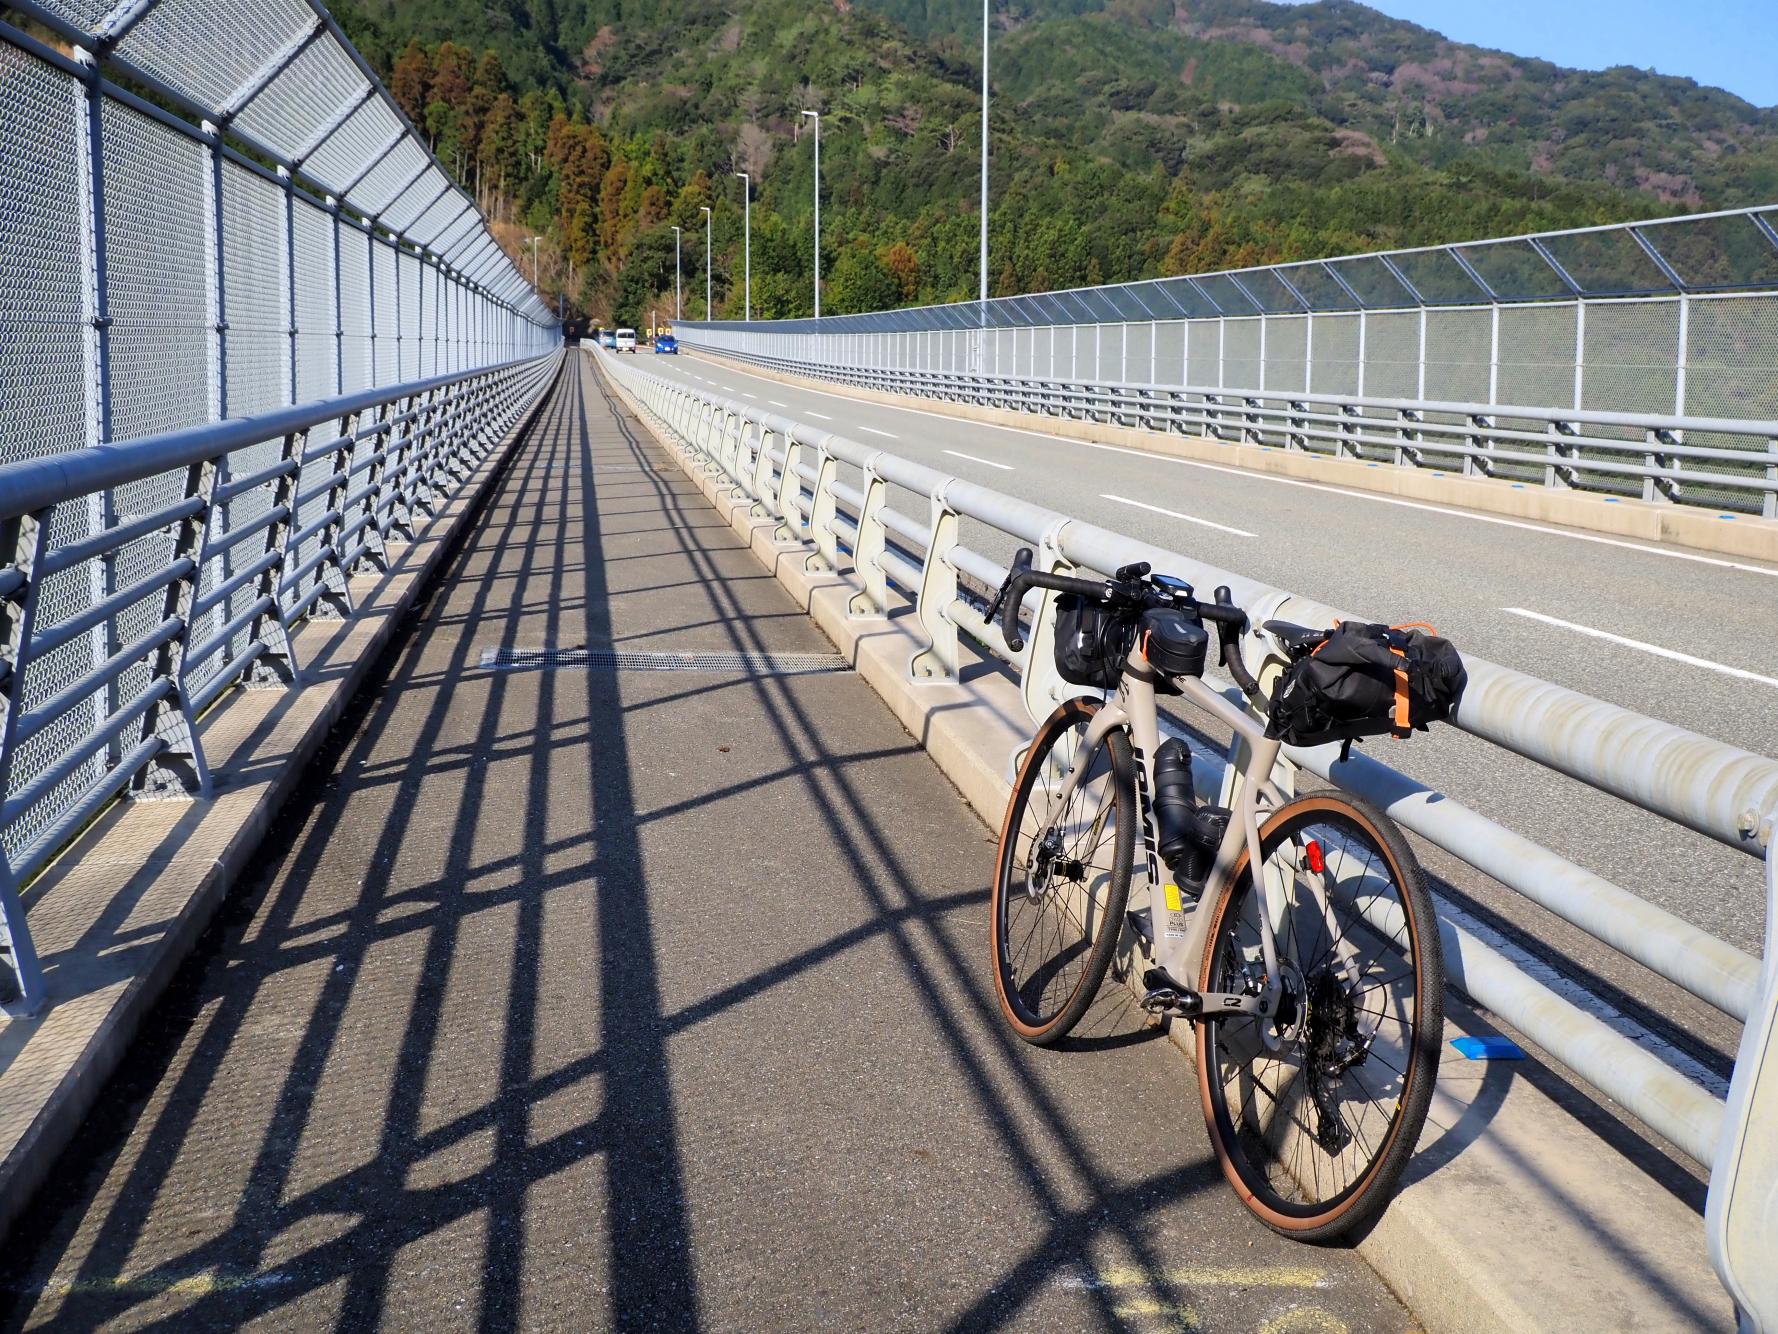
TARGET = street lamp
(747,245)
(675,273)
(816,117)
(709,310)
(533,244)
(984,295)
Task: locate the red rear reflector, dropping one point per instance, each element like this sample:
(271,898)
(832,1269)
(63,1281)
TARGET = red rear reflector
(1312,854)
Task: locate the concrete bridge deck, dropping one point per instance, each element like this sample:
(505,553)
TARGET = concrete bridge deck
(576,997)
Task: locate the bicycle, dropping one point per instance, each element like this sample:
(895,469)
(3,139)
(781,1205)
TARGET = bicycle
(1315,989)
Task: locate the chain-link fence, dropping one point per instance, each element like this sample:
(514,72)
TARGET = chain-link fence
(1675,321)
(258,228)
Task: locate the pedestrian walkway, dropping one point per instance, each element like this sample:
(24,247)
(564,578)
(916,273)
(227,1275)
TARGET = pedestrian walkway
(580,990)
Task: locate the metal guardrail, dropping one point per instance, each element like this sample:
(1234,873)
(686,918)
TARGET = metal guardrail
(188,597)
(1645,455)
(831,494)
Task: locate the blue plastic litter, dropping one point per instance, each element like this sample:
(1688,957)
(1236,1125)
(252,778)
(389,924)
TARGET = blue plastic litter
(1489,1049)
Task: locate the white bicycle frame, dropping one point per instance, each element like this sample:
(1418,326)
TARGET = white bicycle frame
(1178,938)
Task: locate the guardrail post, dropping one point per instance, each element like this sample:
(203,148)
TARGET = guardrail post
(762,474)
(27,538)
(1769,506)
(1741,1209)
(790,485)
(823,513)
(873,542)
(938,590)
(276,664)
(332,570)
(179,769)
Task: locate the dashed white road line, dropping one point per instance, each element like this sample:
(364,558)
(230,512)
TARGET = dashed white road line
(1644,647)
(775,403)
(822,415)
(749,396)
(1175,514)
(888,435)
(959,454)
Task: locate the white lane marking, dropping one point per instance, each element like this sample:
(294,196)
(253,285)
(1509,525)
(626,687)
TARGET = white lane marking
(749,396)
(1175,514)
(1655,649)
(888,435)
(775,403)
(959,454)
(1768,571)
(822,415)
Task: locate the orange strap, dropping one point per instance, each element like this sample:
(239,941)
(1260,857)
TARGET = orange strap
(1403,724)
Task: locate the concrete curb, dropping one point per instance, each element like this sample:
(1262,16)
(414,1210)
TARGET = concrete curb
(1517,1215)
(1700,529)
(165,867)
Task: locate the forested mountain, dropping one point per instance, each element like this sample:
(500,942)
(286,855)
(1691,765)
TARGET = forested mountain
(1130,138)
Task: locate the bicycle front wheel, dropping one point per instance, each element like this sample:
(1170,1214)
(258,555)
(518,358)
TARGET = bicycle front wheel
(1316,1109)
(1063,874)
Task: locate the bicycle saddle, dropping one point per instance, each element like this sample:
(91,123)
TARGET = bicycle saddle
(1296,639)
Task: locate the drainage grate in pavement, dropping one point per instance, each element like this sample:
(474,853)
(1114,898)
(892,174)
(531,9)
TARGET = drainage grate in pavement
(718,660)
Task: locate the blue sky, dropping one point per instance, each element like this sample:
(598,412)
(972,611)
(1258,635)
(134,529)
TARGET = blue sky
(1730,43)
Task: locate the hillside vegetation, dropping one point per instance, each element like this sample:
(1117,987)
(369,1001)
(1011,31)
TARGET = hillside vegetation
(1131,138)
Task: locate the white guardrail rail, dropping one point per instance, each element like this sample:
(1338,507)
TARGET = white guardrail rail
(831,493)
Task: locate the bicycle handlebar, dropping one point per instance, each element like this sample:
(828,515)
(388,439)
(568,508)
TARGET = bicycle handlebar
(1126,586)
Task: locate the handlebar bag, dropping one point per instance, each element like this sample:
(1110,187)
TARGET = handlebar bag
(1174,642)
(1092,641)
(1367,680)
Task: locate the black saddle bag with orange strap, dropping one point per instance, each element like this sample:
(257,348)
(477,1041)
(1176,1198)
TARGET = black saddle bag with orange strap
(1364,680)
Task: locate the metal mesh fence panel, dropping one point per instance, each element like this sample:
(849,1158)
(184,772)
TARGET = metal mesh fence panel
(1334,367)
(1287,346)
(1241,366)
(155,180)
(1630,357)
(351,148)
(1169,353)
(1392,354)
(384,297)
(255,292)
(1203,365)
(409,361)
(1537,346)
(209,48)
(1139,353)
(315,317)
(42,335)
(1731,371)
(1459,345)
(355,309)
(296,104)
(1111,352)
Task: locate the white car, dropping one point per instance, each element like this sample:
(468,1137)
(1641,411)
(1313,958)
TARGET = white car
(626,340)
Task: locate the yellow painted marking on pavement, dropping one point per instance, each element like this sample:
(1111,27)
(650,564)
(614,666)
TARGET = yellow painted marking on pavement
(1178,1315)
(1304,1320)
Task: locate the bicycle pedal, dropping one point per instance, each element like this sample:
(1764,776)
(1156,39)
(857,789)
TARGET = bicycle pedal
(1174,1004)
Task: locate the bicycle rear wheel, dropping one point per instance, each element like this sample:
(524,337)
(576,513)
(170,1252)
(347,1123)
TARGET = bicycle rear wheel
(1315,1110)
(1062,877)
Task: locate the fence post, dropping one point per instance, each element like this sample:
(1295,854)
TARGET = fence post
(873,542)
(1041,686)
(823,513)
(938,590)
(790,485)
(179,769)
(276,663)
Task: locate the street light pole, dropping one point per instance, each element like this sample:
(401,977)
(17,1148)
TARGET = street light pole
(816,117)
(676,273)
(709,310)
(984,292)
(533,244)
(746,245)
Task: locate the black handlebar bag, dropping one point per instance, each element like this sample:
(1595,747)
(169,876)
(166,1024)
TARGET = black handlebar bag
(1093,639)
(1367,680)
